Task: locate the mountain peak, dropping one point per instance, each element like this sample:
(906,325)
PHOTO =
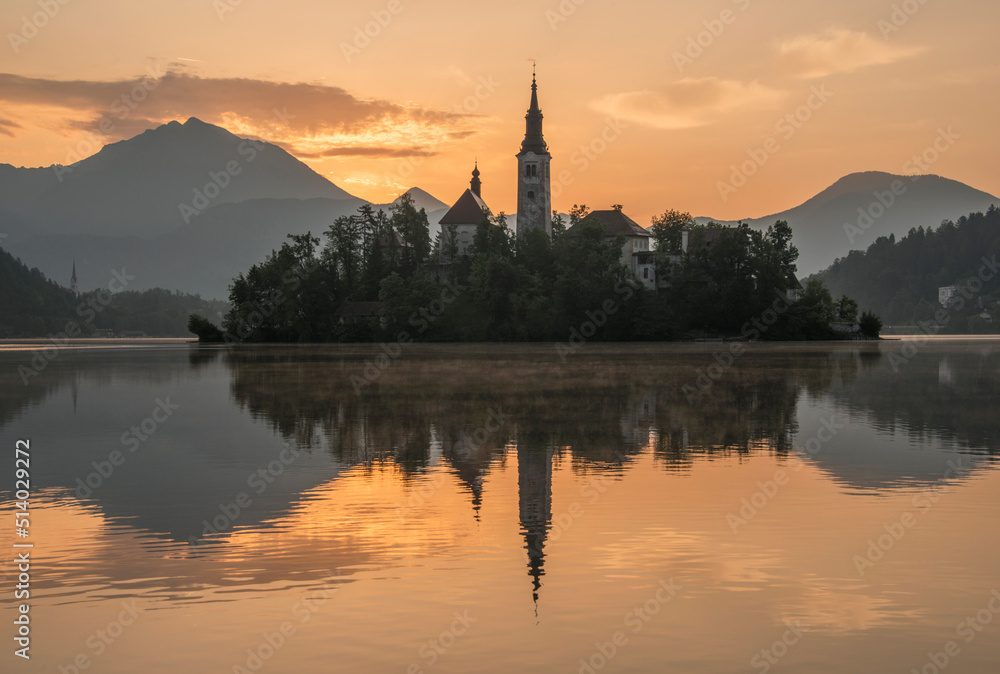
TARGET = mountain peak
(422,199)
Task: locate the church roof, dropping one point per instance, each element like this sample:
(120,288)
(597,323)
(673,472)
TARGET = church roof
(468,210)
(615,222)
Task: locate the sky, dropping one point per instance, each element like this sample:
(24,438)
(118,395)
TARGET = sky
(728,108)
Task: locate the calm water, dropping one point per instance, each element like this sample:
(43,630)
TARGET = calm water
(804,508)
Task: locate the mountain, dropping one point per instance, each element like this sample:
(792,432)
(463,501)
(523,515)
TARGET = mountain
(200,258)
(182,206)
(157,182)
(857,209)
(422,199)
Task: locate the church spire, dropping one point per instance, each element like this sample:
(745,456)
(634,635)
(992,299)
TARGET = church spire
(534,189)
(477,184)
(72,280)
(533,140)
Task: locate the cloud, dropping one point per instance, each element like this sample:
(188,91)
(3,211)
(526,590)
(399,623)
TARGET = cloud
(308,118)
(6,125)
(366,152)
(837,51)
(687,103)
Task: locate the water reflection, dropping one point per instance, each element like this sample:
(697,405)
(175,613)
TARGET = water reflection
(283,465)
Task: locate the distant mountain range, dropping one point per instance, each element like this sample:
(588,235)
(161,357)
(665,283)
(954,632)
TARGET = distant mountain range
(183,206)
(857,209)
(189,206)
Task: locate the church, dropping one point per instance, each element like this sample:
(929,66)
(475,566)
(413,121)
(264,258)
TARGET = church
(534,206)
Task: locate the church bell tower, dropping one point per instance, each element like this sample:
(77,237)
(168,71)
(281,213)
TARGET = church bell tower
(534,194)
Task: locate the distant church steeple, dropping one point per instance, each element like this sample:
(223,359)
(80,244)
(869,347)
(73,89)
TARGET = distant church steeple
(72,280)
(477,184)
(534,194)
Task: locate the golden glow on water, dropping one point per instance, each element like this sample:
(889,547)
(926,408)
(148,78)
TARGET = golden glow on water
(368,565)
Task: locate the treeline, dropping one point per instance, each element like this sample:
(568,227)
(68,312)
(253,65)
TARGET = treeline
(156,312)
(31,305)
(900,279)
(377,277)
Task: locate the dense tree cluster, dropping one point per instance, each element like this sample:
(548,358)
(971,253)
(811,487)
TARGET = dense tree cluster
(899,280)
(377,277)
(33,306)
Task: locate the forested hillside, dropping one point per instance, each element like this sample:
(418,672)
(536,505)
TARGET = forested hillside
(30,304)
(899,280)
(33,306)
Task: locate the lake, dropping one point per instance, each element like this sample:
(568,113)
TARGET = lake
(697,508)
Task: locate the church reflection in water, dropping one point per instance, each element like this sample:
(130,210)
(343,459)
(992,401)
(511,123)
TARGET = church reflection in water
(534,499)
(469,409)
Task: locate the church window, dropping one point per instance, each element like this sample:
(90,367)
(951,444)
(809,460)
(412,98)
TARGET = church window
(531,195)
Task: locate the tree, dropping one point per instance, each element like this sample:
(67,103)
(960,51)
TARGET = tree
(204,329)
(870,325)
(578,213)
(847,310)
(667,229)
(288,297)
(414,233)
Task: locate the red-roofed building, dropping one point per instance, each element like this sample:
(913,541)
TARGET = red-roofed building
(637,254)
(458,226)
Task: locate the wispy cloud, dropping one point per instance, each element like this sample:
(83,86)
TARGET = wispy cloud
(837,51)
(316,120)
(688,103)
(7,126)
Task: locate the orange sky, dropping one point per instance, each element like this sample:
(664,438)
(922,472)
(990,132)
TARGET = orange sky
(444,82)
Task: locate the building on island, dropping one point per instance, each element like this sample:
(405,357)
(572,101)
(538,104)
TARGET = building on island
(534,211)
(637,253)
(458,226)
